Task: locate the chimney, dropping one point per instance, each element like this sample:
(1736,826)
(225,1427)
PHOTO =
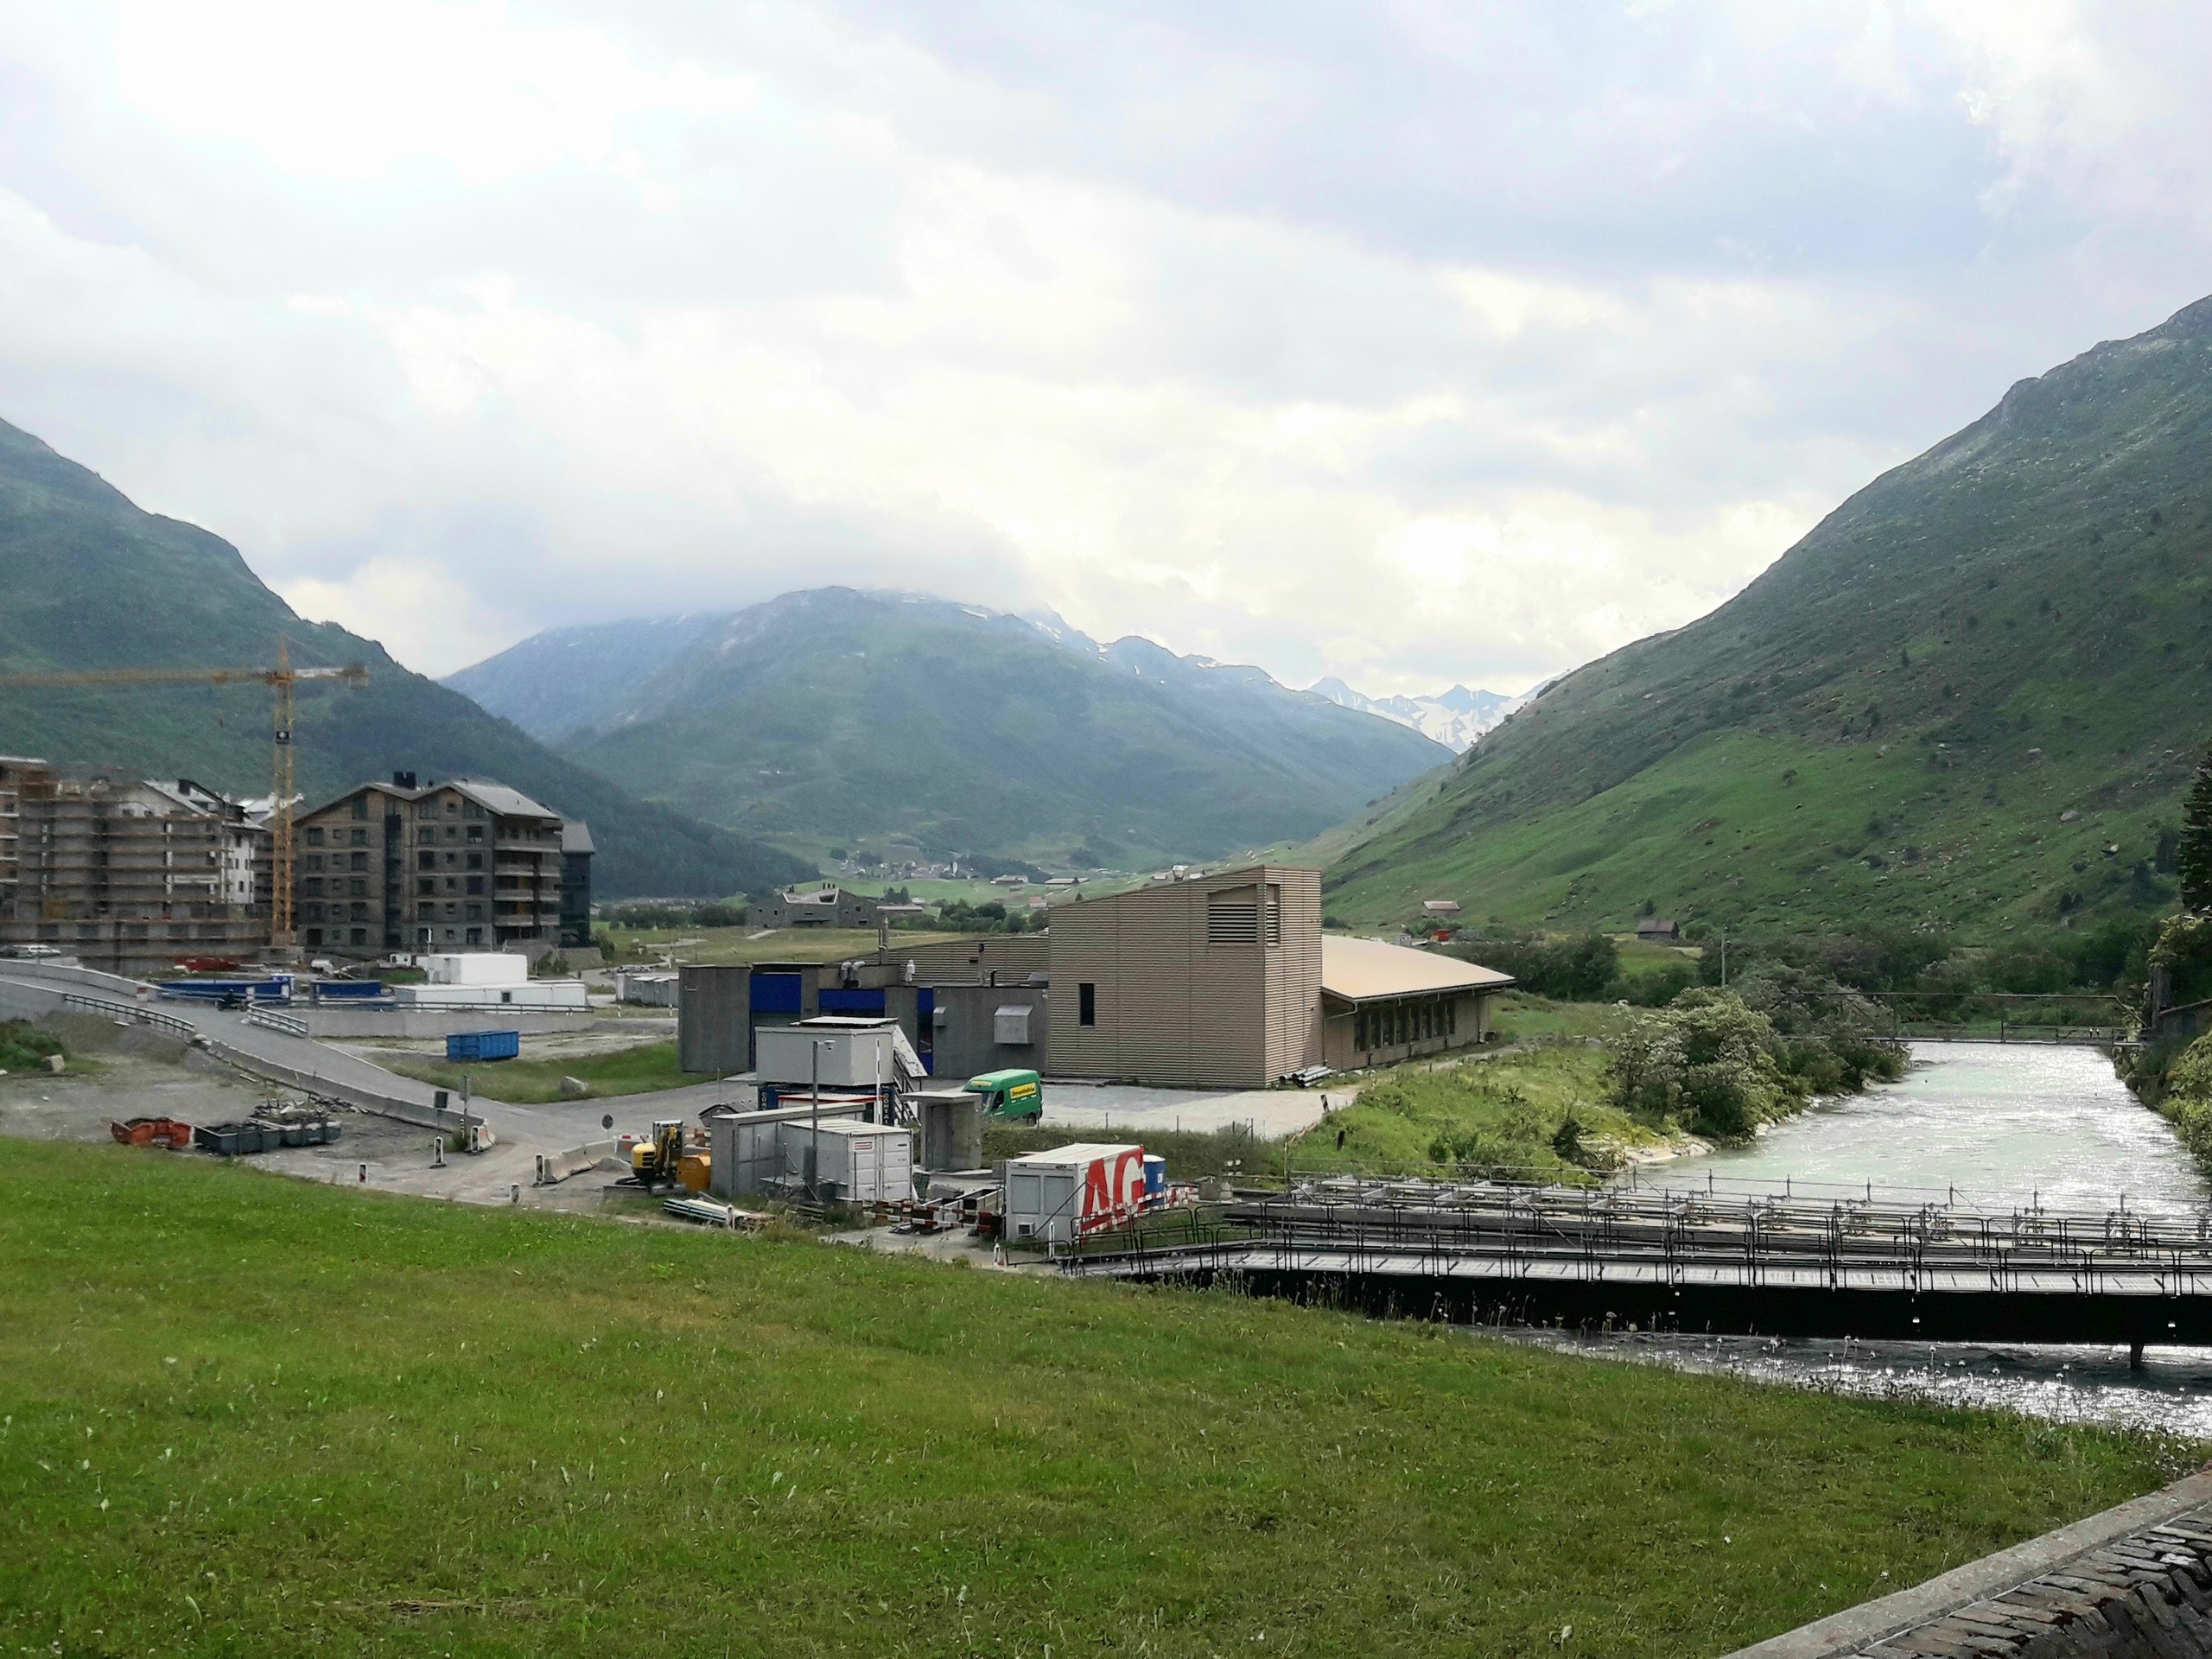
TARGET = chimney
(403,780)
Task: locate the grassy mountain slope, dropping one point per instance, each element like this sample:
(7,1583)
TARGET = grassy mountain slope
(834,715)
(92,583)
(1972,694)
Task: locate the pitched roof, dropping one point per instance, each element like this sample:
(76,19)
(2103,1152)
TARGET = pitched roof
(575,836)
(498,798)
(1365,970)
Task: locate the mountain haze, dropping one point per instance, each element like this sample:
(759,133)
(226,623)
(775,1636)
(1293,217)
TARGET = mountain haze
(1972,694)
(840,717)
(92,583)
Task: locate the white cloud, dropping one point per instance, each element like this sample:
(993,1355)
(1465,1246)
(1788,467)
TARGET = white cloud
(1428,346)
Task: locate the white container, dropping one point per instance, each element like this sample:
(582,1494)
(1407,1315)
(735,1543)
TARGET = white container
(861,1163)
(562,994)
(854,1056)
(476,967)
(1060,1195)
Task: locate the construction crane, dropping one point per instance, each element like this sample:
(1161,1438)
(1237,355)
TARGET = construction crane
(281,679)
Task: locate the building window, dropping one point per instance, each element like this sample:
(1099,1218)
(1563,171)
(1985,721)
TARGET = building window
(476,884)
(358,888)
(426,885)
(476,913)
(426,836)
(314,912)
(476,861)
(312,887)
(426,861)
(476,832)
(361,807)
(360,935)
(423,913)
(357,861)
(314,838)
(476,936)
(1086,1004)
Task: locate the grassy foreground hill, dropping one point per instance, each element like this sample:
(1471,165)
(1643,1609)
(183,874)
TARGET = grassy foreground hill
(87,581)
(836,717)
(1972,695)
(242,1414)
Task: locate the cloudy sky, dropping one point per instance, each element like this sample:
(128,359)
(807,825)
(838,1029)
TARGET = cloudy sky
(1410,342)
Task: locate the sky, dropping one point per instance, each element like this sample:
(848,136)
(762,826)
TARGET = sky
(1406,342)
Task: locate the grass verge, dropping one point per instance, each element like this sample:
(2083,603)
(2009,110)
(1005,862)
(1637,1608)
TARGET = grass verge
(243,1414)
(645,1069)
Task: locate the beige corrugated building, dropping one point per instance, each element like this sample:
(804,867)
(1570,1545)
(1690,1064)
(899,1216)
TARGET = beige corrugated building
(1382,1002)
(1226,981)
(1211,982)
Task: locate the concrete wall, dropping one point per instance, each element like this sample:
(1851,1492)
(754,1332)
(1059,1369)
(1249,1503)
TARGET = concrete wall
(1191,984)
(714,1010)
(966,1044)
(1012,956)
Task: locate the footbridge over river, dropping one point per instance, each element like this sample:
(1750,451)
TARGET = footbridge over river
(1768,1265)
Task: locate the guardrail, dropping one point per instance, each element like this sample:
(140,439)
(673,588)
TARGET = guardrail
(288,1025)
(130,1011)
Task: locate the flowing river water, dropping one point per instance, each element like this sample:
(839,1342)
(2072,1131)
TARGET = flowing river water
(1988,1127)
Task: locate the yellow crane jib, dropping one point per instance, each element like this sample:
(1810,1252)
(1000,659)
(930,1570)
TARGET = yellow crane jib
(281,679)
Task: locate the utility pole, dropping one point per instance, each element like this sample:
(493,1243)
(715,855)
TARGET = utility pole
(814,1151)
(1724,958)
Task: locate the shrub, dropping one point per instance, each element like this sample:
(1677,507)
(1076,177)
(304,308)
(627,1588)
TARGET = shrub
(1580,969)
(23,1045)
(1707,1062)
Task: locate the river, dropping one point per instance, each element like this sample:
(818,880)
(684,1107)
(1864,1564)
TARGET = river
(1990,1127)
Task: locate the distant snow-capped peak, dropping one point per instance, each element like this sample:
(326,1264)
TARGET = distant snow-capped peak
(1454,718)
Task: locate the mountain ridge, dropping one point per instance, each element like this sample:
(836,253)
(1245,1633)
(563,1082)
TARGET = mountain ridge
(843,715)
(1969,697)
(94,582)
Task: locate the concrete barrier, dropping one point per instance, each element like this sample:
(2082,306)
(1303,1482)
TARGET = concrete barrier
(328,1021)
(555,1168)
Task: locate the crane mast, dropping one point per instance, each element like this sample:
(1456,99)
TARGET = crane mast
(282,679)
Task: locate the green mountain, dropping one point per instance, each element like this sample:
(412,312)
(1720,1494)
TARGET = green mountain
(1972,696)
(90,582)
(891,720)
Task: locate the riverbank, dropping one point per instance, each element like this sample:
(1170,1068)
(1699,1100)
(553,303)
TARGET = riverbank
(275,1417)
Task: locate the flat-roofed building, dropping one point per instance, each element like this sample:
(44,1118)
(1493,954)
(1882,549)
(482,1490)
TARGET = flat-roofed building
(1224,980)
(824,906)
(1208,982)
(1383,1002)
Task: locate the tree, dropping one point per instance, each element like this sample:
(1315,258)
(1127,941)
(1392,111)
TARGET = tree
(2193,856)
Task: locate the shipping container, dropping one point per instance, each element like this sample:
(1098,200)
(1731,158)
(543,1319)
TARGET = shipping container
(856,1054)
(1057,1196)
(471,1047)
(852,1162)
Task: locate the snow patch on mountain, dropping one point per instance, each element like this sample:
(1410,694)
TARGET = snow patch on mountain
(1454,718)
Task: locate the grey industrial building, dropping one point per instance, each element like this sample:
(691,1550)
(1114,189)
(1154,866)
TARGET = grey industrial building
(1221,981)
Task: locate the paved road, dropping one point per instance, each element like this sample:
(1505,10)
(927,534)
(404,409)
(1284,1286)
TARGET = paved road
(1271,1114)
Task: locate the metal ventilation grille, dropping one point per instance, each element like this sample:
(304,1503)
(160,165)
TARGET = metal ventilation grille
(1235,924)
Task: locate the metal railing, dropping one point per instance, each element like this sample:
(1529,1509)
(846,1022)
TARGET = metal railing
(1673,1238)
(130,1011)
(289,1024)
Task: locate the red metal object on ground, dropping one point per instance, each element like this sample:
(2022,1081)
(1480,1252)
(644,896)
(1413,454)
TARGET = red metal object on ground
(208,965)
(152,1132)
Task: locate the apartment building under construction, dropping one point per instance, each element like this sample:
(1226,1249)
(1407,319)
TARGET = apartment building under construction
(128,873)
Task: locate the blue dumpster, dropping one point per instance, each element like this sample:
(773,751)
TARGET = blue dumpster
(467,1047)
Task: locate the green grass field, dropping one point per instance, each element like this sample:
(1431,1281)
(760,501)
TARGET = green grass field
(643,1069)
(728,945)
(242,1414)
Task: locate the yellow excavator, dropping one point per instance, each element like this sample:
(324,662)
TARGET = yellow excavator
(668,1157)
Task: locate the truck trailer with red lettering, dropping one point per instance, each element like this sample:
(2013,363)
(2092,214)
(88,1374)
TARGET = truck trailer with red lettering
(1059,1196)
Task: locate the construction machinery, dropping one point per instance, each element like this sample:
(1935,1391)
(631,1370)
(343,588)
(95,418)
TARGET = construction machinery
(281,679)
(668,1157)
